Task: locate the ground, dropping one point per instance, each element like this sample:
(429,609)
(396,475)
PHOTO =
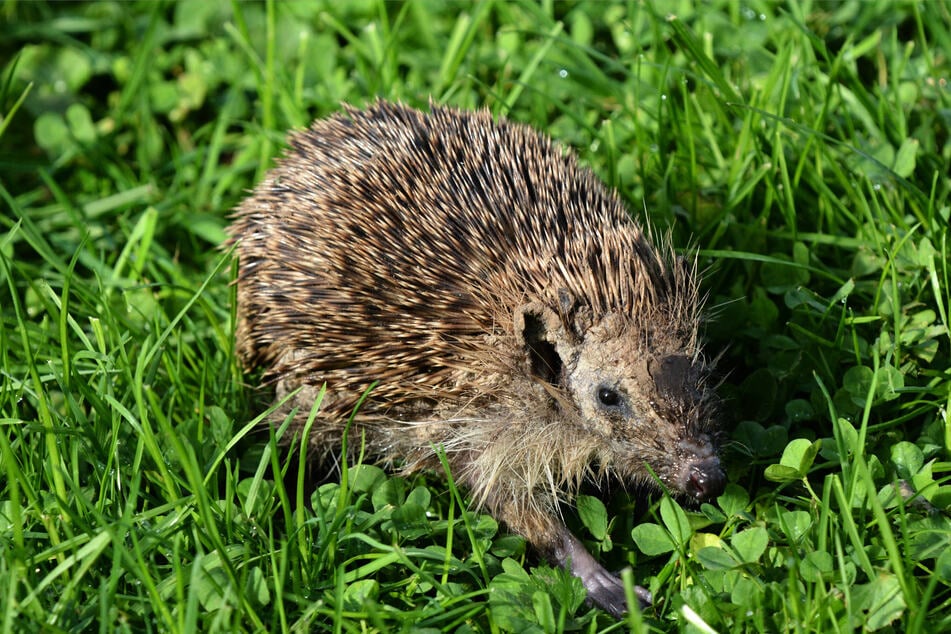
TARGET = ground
(800,151)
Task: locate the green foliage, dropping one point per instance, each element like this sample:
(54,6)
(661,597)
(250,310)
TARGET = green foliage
(802,149)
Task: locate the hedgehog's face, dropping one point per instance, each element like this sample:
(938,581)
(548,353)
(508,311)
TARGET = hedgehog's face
(645,396)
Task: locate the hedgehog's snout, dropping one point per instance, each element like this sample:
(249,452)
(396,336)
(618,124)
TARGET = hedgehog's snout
(702,476)
(705,478)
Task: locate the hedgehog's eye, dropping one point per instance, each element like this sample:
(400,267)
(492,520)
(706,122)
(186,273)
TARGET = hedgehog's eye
(608,396)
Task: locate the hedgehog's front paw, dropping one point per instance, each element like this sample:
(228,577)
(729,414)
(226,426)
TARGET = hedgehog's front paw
(607,591)
(604,589)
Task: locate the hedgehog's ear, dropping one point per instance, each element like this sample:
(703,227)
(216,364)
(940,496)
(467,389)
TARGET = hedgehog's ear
(537,326)
(575,317)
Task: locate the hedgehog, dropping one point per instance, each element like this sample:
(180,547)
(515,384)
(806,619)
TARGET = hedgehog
(509,311)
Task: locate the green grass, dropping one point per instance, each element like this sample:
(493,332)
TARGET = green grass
(802,148)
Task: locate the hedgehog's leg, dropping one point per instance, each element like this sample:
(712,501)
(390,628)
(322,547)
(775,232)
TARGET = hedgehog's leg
(560,547)
(604,589)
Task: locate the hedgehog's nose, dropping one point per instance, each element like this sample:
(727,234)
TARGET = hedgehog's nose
(705,479)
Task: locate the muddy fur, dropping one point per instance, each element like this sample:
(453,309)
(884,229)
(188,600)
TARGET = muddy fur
(505,302)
